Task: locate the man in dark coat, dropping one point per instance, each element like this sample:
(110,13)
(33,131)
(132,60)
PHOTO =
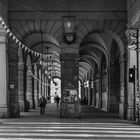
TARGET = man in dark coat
(57,99)
(42,102)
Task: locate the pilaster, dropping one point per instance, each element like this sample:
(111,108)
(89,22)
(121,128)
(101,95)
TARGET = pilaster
(29,93)
(4,108)
(35,87)
(21,86)
(70,103)
(13,79)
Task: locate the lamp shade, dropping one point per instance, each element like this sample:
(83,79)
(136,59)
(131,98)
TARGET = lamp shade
(69,24)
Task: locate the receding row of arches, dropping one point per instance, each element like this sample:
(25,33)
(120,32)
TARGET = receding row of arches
(101,73)
(101,69)
(34,78)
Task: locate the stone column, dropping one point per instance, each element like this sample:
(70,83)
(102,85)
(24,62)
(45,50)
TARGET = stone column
(113,103)
(43,91)
(100,90)
(21,85)
(132,61)
(13,79)
(104,91)
(48,87)
(131,103)
(89,92)
(138,84)
(44,86)
(85,90)
(94,93)
(40,88)
(97,92)
(123,92)
(4,75)
(82,91)
(29,94)
(35,87)
(70,104)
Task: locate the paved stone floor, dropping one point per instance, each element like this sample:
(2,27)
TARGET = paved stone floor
(93,125)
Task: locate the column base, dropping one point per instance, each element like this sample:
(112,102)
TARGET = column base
(30,102)
(14,110)
(4,113)
(130,113)
(114,108)
(70,110)
(121,110)
(22,106)
(33,104)
(36,103)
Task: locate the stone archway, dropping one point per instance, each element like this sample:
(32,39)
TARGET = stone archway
(101,44)
(122,72)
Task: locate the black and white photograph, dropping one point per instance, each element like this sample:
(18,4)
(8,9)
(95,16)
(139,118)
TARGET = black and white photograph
(69,69)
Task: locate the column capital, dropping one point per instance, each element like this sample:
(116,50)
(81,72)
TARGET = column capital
(131,34)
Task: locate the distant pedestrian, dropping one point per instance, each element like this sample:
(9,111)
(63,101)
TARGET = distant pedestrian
(42,103)
(57,99)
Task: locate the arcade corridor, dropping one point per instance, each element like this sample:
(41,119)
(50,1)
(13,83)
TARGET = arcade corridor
(84,51)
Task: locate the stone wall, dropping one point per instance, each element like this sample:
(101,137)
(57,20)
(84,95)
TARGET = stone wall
(4,8)
(13,78)
(67,5)
(133,8)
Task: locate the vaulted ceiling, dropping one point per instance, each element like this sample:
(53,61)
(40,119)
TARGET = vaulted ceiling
(38,24)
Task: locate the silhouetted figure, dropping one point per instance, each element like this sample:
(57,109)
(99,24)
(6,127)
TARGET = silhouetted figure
(85,101)
(48,99)
(42,103)
(57,99)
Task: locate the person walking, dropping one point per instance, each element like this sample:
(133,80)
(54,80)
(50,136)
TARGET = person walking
(42,103)
(57,99)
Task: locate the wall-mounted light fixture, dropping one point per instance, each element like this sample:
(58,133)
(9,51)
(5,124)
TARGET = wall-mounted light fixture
(69,23)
